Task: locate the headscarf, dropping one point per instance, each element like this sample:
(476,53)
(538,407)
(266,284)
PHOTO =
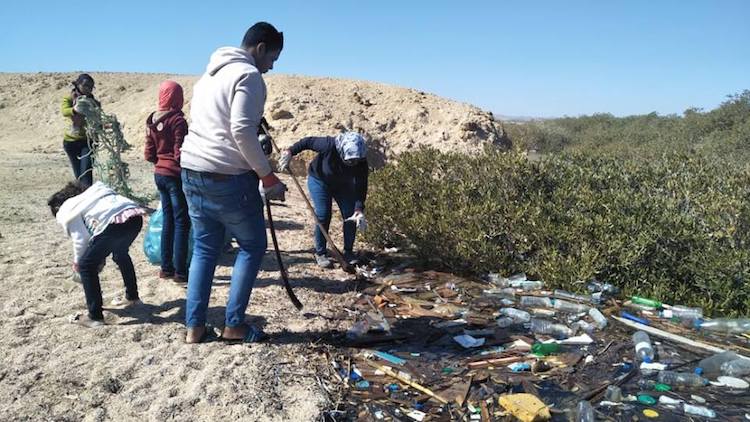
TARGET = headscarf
(351,145)
(170,96)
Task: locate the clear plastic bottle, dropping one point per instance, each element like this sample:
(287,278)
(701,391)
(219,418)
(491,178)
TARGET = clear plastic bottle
(504,322)
(542,326)
(711,366)
(726,325)
(359,329)
(536,301)
(583,326)
(644,352)
(498,280)
(736,368)
(598,287)
(690,409)
(683,313)
(516,314)
(599,319)
(565,306)
(529,285)
(571,296)
(686,379)
(584,412)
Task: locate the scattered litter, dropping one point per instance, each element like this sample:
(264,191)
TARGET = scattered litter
(731,382)
(435,346)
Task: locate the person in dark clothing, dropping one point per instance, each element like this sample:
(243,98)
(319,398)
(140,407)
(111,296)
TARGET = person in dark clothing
(166,129)
(338,172)
(75,141)
(100,223)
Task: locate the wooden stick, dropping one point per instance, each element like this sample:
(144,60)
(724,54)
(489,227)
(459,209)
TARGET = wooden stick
(335,250)
(674,337)
(408,382)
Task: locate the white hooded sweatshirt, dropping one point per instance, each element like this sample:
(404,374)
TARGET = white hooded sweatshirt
(225,112)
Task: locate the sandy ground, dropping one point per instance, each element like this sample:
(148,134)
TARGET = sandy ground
(138,366)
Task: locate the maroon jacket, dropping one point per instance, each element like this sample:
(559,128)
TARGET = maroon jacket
(164,140)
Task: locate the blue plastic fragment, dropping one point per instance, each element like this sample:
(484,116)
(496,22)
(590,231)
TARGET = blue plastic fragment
(390,358)
(634,318)
(363,385)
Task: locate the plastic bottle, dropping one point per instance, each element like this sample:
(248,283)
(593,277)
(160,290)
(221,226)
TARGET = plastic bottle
(698,410)
(711,366)
(541,326)
(516,314)
(572,296)
(529,285)
(504,322)
(643,350)
(598,287)
(686,379)
(613,394)
(644,301)
(544,349)
(583,326)
(584,412)
(726,325)
(736,368)
(359,329)
(565,306)
(498,280)
(599,319)
(682,313)
(536,301)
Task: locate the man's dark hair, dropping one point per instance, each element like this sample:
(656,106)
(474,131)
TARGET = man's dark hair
(263,32)
(70,190)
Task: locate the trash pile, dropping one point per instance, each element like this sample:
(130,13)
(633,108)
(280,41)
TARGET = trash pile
(430,346)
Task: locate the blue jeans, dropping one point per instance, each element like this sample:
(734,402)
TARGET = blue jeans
(79,155)
(116,240)
(176,226)
(321,197)
(216,202)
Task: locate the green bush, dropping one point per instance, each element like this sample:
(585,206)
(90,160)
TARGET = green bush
(674,227)
(724,130)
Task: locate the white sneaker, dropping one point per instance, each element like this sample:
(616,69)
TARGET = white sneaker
(125,303)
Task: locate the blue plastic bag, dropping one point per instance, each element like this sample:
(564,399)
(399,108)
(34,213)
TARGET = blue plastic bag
(152,239)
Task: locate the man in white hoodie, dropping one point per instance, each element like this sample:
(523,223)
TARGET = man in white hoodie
(222,163)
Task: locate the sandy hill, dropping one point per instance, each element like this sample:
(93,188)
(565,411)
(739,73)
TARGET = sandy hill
(394,119)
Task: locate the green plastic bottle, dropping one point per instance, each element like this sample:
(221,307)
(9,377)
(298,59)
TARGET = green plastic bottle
(644,301)
(545,349)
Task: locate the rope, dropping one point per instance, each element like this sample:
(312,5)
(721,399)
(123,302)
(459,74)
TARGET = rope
(107,143)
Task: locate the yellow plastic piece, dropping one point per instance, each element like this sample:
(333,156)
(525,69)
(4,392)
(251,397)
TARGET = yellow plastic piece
(526,407)
(651,413)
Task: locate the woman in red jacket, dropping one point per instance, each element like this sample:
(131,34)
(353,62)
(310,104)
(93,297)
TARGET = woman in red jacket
(166,128)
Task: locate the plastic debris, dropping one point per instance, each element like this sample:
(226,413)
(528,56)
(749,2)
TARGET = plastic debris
(690,409)
(726,325)
(673,379)
(650,413)
(468,341)
(646,399)
(584,412)
(526,407)
(643,349)
(736,368)
(731,382)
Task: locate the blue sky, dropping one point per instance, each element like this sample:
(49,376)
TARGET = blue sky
(533,58)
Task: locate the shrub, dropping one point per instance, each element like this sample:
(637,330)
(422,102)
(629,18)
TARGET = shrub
(675,227)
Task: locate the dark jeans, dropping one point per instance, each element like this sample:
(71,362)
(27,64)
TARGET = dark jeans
(176,226)
(116,240)
(79,155)
(321,197)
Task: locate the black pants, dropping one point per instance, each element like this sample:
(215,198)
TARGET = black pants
(80,158)
(116,240)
